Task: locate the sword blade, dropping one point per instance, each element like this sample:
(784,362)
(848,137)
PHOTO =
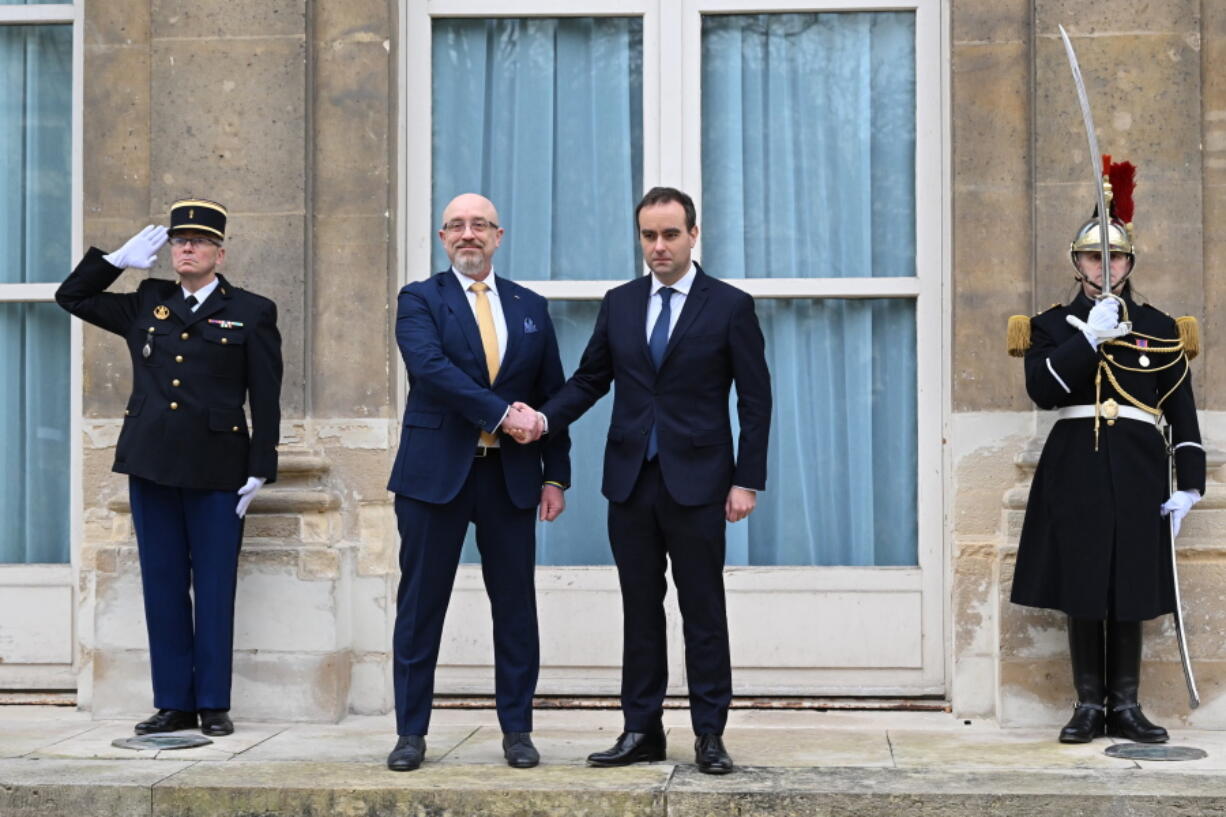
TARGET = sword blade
(1096,172)
(1185,659)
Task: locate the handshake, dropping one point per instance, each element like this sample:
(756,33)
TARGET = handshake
(523,423)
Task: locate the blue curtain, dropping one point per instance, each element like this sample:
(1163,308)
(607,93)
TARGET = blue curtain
(808,162)
(35,235)
(543,117)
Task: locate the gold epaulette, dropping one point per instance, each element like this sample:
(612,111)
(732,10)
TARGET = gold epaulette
(1017,337)
(1189,335)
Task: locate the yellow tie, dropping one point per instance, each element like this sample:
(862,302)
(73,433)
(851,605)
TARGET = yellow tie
(489,342)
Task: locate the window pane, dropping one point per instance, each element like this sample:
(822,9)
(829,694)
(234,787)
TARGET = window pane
(808,145)
(544,117)
(36,142)
(34,426)
(32,2)
(842,467)
(841,486)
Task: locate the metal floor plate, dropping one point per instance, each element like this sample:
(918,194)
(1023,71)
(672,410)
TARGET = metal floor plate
(162,742)
(1153,751)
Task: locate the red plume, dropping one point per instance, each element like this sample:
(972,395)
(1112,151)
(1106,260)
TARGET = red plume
(1123,176)
(1106,163)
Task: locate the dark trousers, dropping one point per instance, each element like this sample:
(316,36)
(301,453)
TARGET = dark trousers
(646,531)
(431,538)
(188,540)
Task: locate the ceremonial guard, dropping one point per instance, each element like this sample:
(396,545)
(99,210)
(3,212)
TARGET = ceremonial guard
(200,348)
(1095,544)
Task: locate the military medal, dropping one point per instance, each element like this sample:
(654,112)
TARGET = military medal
(148,348)
(1144,358)
(161,312)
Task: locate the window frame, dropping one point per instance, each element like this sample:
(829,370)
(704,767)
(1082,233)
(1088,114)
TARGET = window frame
(71,14)
(672,99)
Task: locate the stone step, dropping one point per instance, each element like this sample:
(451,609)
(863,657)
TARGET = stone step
(137,787)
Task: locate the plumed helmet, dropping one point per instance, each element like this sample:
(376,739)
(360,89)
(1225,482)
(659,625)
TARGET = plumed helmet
(1119,181)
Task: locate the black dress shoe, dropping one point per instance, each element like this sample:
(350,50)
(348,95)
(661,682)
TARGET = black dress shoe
(216,722)
(1088,722)
(410,751)
(711,756)
(1129,722)
(632,747)
(167,720)
(517,748)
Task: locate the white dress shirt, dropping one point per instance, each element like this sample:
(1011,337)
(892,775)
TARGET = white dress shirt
(201,294)
(655,303)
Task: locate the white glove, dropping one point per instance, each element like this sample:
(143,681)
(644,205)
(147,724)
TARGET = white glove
(1178,506)
(141,250)
(1102,322)
(247,493)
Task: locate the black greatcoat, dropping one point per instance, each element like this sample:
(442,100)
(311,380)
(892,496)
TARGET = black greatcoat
(1093,543)
(184,425)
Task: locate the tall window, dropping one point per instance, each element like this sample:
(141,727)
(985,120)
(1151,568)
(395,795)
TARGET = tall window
(36,220)
(797,131)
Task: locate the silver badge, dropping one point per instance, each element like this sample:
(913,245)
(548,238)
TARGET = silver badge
(1143,360)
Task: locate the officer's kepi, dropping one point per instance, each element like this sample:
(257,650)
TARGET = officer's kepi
(199,214)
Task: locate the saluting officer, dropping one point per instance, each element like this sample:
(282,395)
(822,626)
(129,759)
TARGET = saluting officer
(200,348)
(1094,543)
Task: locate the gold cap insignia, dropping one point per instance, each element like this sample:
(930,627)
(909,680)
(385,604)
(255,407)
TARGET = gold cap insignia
(161,312)
(191,213)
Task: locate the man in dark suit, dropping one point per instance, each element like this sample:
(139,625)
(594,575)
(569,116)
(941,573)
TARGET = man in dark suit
(674,342)
(200,348)
(473,343)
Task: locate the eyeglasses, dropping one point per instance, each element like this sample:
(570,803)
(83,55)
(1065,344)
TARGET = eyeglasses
(477,225)
(193,241)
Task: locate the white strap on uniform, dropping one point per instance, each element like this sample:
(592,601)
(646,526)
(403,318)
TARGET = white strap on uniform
(1059,379)
(1126,412)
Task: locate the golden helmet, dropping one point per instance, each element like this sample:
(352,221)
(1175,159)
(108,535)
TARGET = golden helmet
(1088,238)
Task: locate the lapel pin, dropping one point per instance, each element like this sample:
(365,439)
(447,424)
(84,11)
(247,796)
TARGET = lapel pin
(161,312)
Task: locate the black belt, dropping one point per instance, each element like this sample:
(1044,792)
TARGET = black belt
(486,451)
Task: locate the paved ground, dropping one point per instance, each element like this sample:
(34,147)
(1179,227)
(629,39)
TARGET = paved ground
(58,761)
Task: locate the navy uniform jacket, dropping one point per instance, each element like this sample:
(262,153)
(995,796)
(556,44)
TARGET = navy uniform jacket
(451,399)
(716,341)
(1093,543)
(184,425)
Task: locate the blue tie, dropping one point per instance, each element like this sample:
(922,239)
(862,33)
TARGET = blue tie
(656,344)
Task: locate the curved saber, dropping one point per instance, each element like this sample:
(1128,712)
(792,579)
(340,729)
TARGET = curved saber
(1096,158)
(1184,658)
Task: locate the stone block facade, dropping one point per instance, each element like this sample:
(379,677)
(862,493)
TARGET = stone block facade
(288,112)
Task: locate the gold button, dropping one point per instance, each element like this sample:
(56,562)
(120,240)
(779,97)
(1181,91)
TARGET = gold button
(184,336)
(225,340)
(178,358)
(150,328)
(174,406)
(175,382)
(126,412)
(234,429)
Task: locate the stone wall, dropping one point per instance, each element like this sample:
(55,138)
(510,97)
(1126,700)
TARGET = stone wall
(284,111)
(1020,187)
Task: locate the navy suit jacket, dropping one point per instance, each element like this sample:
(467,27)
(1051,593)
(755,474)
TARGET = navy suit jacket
(716,342)
(451,399)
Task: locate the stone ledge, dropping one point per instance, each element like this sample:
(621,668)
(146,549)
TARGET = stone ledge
(144,788)
(271,500)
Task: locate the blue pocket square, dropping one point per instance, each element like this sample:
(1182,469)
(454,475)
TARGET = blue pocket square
(529,326)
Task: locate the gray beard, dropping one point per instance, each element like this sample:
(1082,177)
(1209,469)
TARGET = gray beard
(468,266)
